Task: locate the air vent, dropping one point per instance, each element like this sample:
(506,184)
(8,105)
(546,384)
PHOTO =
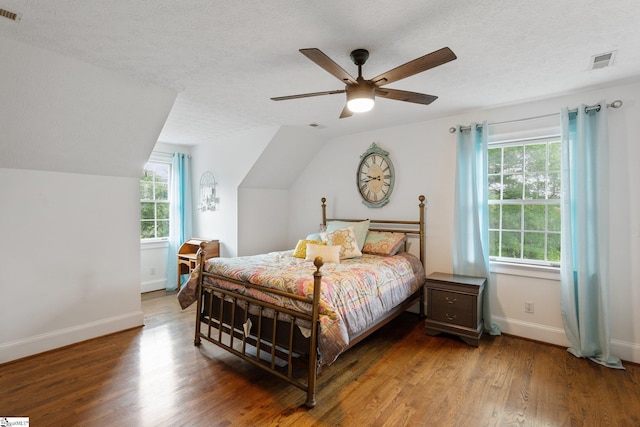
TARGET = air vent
(9,15)
(602,60)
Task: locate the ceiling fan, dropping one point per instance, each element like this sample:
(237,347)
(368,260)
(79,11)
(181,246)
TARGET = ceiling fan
(360,92)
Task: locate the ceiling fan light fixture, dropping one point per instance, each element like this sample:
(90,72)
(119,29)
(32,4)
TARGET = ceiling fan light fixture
(360,99)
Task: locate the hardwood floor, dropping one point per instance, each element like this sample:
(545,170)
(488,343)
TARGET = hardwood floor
(154,375)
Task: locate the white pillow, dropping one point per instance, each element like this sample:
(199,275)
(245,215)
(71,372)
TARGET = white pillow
(328,253)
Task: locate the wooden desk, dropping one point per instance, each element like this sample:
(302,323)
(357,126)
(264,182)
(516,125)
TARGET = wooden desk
(188,254)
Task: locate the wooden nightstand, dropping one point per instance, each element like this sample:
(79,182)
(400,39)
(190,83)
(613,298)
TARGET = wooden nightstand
(187,254)
(454,306)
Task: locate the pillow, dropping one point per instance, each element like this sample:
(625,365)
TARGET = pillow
(360,229)
(328,253)
(346,239)
(314,236)
(383,243)
(301,248)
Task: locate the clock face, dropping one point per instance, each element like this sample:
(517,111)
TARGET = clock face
(375,178)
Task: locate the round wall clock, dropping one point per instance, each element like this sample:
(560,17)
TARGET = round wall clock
(375,177)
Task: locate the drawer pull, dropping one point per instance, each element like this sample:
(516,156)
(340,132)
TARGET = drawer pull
(450,301)
(450,317)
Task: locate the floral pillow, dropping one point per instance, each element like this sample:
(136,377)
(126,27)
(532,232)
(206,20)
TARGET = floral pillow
(301,248)
(359,229)
(383,243)
(346,238)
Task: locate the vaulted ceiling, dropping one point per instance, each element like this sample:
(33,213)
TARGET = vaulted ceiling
(228,58)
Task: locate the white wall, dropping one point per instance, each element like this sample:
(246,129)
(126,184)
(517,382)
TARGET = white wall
(69,257)
(73,141)
(229,160)
(424,159)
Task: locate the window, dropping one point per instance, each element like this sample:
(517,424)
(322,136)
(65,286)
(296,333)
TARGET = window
(154,201)
(524,201)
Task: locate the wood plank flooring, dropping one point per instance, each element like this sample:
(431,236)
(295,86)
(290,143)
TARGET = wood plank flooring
(155,376)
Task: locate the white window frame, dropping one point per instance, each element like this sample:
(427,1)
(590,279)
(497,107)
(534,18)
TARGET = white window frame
(520,133)
(165,159)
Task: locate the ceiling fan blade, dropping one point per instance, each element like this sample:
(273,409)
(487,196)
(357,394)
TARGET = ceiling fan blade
(317,56)
(307,95)
(403,95)
(430,60)
(345,112)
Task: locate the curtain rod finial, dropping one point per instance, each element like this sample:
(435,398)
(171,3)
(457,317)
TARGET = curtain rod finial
(616,104)
(452,129)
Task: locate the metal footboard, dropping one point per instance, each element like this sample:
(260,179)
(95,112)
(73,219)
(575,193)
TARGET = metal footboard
(226,319)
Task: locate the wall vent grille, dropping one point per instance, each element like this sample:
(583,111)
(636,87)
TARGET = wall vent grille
(603,60)
(9,15)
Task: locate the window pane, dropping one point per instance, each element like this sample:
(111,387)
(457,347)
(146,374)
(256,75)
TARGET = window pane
(535,186)
(146,191)
(535,158)
(494,243)
(494,187)
(553,221)
(511,217)
(511,244)
(513,159)
(512,187)
(553,247)
(534,218)
(162,211)
(495,160)
(163,228)
(147,210)
(554,185)
(494,216)
(162,191)
(534,246)
(162,172)
(554,156)
(147,229)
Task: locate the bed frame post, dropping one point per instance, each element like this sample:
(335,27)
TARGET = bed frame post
(313,353)
(421,205)
(201,260)
(324,211)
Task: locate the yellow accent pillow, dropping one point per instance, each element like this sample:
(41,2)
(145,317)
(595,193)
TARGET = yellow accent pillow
(327,253)
(345,238)
(301,248)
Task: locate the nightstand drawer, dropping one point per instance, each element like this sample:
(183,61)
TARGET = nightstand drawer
(453,300)
(449,313)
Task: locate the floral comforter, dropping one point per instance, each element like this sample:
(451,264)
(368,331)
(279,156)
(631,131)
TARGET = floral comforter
(354,295)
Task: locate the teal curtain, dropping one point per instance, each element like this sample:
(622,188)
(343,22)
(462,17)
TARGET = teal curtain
(180,219)
(584,271)
(471,213)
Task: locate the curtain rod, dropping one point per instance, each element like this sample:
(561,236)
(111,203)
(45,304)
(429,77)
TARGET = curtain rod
(615,104)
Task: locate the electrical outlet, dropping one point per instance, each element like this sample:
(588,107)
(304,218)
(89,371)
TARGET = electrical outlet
(528,307)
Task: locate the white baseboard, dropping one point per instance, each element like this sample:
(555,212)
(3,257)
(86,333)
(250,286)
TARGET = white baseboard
(153,285)
(18,349)
(627,351)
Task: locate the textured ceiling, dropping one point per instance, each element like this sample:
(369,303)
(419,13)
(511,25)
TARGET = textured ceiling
(228,58)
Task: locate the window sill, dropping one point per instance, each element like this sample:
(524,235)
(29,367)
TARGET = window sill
(154,243)
(536,271)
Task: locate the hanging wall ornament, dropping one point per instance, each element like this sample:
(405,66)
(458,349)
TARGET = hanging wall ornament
(208,193)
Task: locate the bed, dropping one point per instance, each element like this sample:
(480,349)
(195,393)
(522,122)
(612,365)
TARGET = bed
(294,312)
